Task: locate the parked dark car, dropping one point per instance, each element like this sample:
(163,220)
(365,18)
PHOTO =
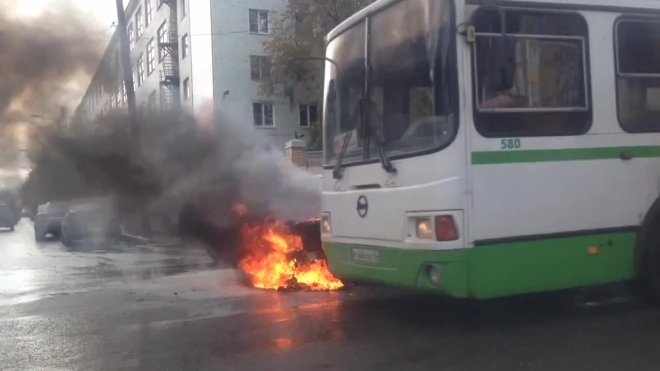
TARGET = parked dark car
(8,218)
(11,201)
(49,220)
(90,222)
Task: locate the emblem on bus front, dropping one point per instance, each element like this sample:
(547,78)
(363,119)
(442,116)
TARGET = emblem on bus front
(362,206)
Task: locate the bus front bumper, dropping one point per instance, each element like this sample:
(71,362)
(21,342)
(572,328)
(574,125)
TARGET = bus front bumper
(504,269)
(399,267)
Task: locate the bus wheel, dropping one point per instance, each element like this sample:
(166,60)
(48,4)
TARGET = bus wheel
(647,258)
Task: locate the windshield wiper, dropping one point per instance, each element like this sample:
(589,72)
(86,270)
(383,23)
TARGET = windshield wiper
(384,160)
(337,171)
(367,106)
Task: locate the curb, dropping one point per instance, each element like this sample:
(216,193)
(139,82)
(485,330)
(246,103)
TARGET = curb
(133,240)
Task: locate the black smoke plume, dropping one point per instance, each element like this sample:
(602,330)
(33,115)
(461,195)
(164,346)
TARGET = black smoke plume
(40,56)
(184,174)
(46,63)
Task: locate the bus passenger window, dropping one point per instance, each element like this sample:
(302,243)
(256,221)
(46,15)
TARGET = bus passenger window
(531,79)
(638,74)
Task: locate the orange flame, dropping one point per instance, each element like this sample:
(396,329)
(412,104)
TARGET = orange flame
(274,259)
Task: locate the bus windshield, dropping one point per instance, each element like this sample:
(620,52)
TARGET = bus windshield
(408,90)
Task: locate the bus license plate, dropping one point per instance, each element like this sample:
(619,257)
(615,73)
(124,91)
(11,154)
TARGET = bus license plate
(365,255)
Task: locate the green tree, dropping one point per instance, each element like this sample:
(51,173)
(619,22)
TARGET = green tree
(315,142)
(298,32)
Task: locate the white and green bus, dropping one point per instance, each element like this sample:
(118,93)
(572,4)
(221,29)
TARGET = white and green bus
(488,148)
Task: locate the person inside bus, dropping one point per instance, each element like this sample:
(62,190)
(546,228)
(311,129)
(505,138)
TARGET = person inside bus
(495,98)
(499,100)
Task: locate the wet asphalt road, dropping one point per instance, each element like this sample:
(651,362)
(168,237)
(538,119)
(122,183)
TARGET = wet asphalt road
(162,308)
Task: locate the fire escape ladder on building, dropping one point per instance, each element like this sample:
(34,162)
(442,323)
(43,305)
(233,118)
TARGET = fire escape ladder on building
(169,98)
(169,74)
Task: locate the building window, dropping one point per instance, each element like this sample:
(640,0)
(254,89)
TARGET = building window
(259,21)
(140,70)
(151,56)
(262,114)
(124,93)
(113,102)
(149,9)
(308,114)
(162,39)
(260,67)
(185,48)
(139,26)
(131,36)
(638,74)
(186,89)
(119,96)
(530,93)
(184,9)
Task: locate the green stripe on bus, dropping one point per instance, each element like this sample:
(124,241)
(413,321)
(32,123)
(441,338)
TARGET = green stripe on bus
(569,154)
(496,270)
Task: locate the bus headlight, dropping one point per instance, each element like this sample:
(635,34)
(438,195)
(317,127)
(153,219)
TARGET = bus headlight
(326,227)
(424,228)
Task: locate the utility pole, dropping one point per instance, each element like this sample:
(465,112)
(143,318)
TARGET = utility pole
(125,57)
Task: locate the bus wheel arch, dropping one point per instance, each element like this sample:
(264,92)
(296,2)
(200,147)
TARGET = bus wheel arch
(647,255)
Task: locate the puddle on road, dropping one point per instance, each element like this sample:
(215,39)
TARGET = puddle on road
(137,272)
(18,299)
(19,282)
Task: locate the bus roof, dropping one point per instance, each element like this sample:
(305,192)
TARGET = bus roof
(629,6)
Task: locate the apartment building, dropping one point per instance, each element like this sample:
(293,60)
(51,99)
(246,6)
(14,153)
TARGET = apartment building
(199,54)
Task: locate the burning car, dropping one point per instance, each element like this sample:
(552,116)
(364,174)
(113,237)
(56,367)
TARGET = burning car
(272,254)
